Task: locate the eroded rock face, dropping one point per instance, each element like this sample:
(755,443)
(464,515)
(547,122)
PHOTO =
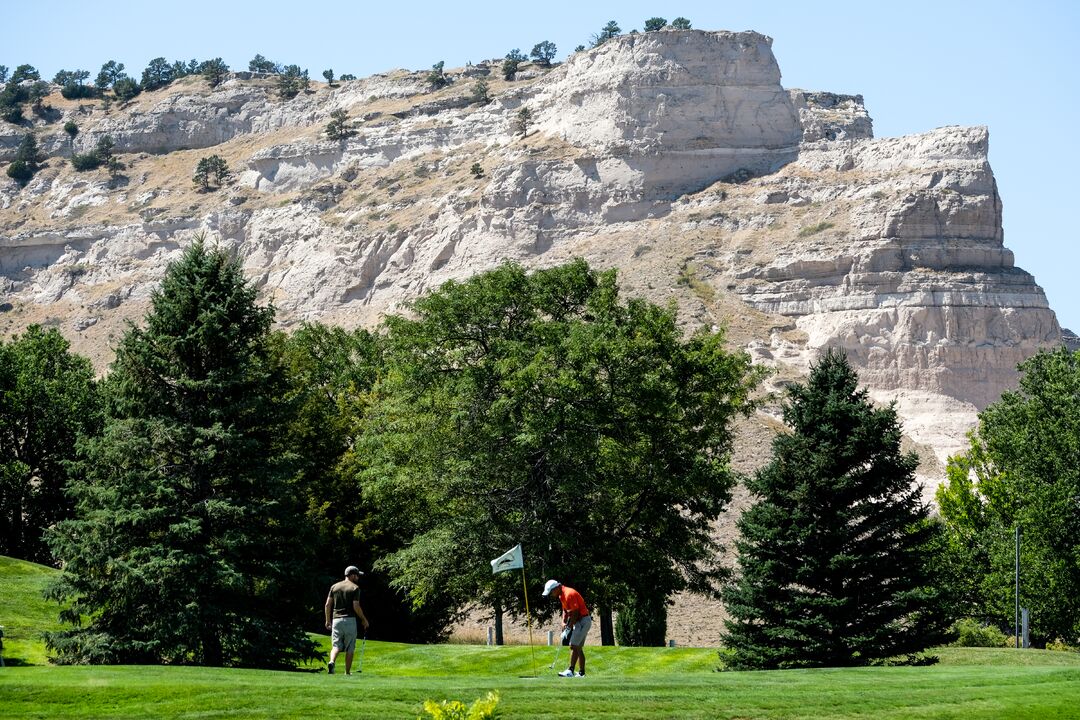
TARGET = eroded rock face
(676,156)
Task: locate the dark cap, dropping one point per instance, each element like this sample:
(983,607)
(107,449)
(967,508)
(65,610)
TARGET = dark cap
(351,570)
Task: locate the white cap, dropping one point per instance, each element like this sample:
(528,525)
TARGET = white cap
(549,586)
(352,569)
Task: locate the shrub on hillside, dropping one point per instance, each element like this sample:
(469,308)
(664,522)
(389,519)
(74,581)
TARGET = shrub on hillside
(972,633)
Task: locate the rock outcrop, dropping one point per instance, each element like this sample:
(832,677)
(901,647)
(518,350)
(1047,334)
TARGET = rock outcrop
(676,156)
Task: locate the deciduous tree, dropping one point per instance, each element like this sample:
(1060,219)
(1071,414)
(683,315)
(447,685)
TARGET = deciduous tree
(48,399)
(541,409)
(1021,469)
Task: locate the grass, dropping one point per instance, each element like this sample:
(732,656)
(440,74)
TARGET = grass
(23,612)
(815,229)
(623,682)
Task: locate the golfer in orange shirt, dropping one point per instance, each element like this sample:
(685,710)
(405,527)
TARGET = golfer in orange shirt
(576,617)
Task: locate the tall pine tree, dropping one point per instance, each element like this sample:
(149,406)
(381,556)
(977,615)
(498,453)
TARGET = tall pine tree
(185,544)
(834,554)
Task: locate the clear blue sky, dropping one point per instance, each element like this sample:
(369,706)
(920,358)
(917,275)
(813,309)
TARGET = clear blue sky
(1010,65)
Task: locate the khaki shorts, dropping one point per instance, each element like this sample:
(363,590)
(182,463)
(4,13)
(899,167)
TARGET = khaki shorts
(343,634)
(581,629)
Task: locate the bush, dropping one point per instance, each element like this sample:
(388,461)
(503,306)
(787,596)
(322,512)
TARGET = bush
(972,633)
(643,623)
(1060,645)
(483,708)
(79,92)
(20,171)
(86,161)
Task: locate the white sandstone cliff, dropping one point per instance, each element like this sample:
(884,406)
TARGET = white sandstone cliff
(676,156)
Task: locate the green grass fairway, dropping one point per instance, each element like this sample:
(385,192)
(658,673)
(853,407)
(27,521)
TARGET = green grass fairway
(23,612)
(622,682)
(966,691)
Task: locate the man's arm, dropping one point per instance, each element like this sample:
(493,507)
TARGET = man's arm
(328,609)
(359,613)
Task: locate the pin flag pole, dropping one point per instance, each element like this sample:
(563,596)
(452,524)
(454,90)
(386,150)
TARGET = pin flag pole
(528,619)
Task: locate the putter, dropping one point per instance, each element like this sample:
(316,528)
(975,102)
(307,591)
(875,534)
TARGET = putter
(360,665)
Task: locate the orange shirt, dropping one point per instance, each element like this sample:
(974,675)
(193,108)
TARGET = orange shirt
(571,600)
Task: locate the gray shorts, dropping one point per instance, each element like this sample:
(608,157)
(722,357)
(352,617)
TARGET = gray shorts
(581,629)
(343,634)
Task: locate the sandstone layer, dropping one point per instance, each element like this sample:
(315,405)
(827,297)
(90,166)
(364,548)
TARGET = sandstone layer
(676,156)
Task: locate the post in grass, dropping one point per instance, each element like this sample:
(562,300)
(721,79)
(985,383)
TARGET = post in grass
(514,559)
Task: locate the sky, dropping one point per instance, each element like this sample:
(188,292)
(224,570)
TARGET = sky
(1011,66)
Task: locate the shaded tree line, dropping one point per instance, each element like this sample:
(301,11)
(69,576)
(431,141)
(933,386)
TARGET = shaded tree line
(209,487)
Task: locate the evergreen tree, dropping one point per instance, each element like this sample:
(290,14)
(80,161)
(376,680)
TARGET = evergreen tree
(543,53)
(606,33)
(329,75)
(338,128)
(522,120)
(125,88)
(481,92)
(110,72)
(291,81)
(436,78)
(27,158)
(511,63)
(262,65)
(655,23)
(214,71)
(157,74)
(834,554)
(187,545)
(23,73)
(48,399)
(680,23)
(214,167)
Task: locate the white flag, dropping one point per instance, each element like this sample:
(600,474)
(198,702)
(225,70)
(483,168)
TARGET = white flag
(509,560)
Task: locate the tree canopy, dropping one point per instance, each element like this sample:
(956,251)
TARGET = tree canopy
(48,399)
(1021,469)
(541,409)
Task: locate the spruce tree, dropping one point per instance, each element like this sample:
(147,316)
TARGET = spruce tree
(185,547)
(834,554)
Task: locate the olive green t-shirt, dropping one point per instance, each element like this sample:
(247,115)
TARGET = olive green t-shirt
(343,594)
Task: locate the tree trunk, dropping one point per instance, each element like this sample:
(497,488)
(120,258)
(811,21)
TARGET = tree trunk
(498,624)
(607,628)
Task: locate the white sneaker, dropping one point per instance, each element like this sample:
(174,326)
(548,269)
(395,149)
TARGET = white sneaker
(567,673)
(577,674)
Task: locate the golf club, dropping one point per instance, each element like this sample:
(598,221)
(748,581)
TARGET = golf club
(552,665)
(360,665)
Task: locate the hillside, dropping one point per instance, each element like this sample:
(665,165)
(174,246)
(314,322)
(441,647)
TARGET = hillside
(24,613)
(676,156)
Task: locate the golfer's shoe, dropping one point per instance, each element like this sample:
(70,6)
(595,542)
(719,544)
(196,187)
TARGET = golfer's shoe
(579,674)
(330,668)
(567,673)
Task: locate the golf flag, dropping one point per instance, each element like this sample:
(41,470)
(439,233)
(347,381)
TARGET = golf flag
(512,559)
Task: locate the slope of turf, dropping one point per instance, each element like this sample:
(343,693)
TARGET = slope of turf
(1033,691)
(24,613)
(622,682)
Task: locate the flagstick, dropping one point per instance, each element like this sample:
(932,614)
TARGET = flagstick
(528,619)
